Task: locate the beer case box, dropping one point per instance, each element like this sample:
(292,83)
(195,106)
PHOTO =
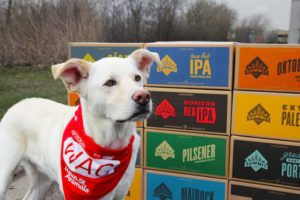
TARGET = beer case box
(192,64)
(249,191)
(196,154)
(95,51)
(206,111)
(269,115)
(265,161)
(136,189)
(165,185)
(267,67)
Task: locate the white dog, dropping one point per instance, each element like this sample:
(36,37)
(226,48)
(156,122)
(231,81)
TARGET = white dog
(32,132)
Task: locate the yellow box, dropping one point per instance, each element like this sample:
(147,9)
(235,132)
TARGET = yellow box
(135,191)
(270,115)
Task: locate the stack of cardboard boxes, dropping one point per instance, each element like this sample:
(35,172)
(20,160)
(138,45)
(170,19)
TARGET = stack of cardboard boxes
(186,140)
(191,149)
(266,119)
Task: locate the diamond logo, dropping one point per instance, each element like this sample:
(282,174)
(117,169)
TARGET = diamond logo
(162,192)
(257,67)
(256,161)
(168,66)
(258,114)
(165,109)
(164,150)
(88,57)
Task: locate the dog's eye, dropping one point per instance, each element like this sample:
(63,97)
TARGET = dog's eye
(110,83)
(137,78)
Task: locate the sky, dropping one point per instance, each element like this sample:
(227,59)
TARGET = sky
(278,11)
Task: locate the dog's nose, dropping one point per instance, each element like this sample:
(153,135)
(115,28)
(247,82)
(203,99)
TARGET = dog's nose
(141,97)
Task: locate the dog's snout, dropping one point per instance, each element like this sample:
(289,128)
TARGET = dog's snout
(141,97)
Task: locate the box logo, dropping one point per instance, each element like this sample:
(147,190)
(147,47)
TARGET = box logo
(290,115)
(195,193)
(290,166)
(165,109)
(168,66)
(164,150)
(203,111)
(200,66)
(257,67)
(288,66)
(88,57)
(116,54)
(162,192)
(258,114)
(256,161)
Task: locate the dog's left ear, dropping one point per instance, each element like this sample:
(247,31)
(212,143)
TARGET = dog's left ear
(73,73)
(144,59)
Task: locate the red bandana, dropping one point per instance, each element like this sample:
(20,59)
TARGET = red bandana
(88,170)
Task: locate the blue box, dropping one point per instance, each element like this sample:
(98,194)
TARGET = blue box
(95,51)
(163,185)
(192,64)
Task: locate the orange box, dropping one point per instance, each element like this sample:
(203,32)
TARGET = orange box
(267,67)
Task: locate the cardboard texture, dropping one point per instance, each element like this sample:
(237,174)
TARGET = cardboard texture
(265,161)
(136,188)
(159,185)
(95,51)
(249,191)
(186,64)
(194,110)
(268,67)
(184,152)
(271,115)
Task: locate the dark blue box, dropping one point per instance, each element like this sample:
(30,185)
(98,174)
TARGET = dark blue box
(192,64)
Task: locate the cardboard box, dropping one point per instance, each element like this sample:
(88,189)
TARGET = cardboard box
(250,191)
(268,67)
(192,64)
(163,185)
(196,154)
(95,51)
(265,161)
(205,111)
(270,115)
(136,189)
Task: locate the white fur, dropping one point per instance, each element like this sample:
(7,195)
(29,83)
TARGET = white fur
(31,131)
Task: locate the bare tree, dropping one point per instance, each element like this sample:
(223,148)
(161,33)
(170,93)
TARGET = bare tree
(208,20)
(256,28)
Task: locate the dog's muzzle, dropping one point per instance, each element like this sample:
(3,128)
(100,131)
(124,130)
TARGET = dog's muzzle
(142,98)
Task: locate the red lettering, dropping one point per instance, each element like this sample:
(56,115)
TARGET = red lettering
(68,150)
(189,111)
(206,115)
(104,170)
(72,159)
(89,162)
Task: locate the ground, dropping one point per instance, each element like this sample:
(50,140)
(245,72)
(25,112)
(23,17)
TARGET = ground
(17,83)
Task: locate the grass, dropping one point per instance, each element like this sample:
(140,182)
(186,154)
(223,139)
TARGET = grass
(17,83)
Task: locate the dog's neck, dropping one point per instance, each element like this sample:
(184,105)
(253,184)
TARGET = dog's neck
(105,132)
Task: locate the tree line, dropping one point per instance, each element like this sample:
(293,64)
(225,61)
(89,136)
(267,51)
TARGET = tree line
(37,32)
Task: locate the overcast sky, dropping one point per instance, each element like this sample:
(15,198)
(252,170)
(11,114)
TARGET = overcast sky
(278,11)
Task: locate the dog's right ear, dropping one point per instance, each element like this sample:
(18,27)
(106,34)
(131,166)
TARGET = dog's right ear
(73,73)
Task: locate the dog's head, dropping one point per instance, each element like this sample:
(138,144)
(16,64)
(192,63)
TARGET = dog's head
(111,87)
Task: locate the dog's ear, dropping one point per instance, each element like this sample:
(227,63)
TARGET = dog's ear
(144,59)
(72,72)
